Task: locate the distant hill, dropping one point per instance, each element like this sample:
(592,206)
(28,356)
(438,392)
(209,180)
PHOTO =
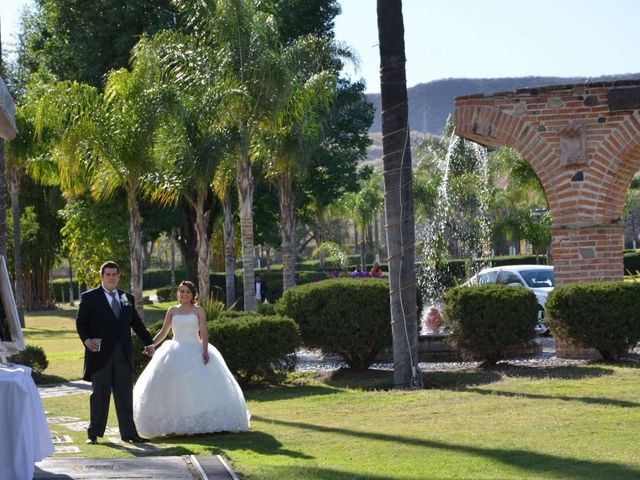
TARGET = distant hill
(431,103)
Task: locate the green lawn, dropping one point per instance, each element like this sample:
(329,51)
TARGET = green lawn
(55,332)
(579,422)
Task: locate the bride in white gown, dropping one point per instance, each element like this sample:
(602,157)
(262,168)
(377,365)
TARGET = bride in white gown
(187,387)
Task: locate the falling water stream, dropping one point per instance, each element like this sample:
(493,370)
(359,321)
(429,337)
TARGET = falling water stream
(459,226)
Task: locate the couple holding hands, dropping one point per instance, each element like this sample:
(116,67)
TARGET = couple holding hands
(186,388)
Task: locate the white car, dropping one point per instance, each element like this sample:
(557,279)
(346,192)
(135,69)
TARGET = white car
(537,278)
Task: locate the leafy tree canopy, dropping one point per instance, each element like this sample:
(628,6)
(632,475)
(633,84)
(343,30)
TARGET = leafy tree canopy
(82,40)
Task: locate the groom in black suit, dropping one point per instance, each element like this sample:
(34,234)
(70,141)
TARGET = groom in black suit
(104,322)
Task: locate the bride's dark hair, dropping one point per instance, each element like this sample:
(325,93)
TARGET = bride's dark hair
(192,289)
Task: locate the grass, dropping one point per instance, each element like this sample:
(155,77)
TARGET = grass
(55,332)
(572,422)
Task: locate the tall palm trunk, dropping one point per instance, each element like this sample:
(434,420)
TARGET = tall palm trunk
(3,201)
(398,188)
(202,243)
(287,224)
(229,254)
(320,235)
(135,247)
(363,253)
(244,181)
(13,181)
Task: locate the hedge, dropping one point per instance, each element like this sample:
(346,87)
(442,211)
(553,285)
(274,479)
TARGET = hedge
(603,315)
(486,321)
(350,317)
(252,344)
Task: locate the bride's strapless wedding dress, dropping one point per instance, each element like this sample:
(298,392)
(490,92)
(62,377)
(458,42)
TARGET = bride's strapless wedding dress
(178,393)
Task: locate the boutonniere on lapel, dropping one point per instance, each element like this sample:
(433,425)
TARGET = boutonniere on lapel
(124,300)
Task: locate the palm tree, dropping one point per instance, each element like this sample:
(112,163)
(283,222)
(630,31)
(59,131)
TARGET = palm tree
(241,44)
(190,147)
(106,141)
(222,185)
(398,194)
(19,152)
(295,133)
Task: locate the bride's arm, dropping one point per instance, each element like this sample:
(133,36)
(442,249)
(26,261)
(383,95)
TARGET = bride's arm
(204,334)
(161,335)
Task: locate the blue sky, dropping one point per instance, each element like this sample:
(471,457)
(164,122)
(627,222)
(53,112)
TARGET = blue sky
(482,38)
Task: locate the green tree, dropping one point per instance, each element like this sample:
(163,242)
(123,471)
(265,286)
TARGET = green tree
(291,138)
(398,193)
(94,232)
(333,168)
(106,141)
(83,40)
(190,146)
(237,40)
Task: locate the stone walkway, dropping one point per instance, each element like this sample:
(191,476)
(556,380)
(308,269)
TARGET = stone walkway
(143,466)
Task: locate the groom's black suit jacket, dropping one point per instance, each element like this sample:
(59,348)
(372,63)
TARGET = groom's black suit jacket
(95,319)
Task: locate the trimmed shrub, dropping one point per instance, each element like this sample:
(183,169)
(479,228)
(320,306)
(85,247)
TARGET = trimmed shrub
(267,309)
(32,356)
(603,315)
(166,294)
(485,321)
(60,289)
(631,263)
(252,343)
(350,317)
(233,314)
(158,278)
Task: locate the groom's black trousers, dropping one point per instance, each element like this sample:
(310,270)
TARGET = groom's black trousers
(116,376)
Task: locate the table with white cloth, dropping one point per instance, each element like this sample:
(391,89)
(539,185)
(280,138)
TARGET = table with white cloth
(24,434)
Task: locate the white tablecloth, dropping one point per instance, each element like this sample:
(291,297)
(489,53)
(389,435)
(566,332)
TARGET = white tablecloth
(24,434)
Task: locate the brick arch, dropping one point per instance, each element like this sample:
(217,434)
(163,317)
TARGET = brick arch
(492,127)
(622,145)
(583,142)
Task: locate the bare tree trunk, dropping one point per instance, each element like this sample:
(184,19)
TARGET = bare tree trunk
(244,181)
(355,237)
(13,181)
(398,189)
(135,248)
(229,255)
(202,242)
(363,255)
(376,233)
(3,201)
(320,236)
(287,225)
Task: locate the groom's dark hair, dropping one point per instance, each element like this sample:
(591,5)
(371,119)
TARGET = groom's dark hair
(109,264)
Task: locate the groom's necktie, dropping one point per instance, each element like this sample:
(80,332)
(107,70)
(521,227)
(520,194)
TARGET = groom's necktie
(115,303)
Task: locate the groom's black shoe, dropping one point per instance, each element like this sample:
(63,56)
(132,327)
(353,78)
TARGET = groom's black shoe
(91,441)
(135,440)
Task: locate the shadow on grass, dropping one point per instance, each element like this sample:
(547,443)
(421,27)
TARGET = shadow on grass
(286,392)
(212,444)
(534,396)
(70,313)
(48,333)
(462,379)
(531,462)
(318,473)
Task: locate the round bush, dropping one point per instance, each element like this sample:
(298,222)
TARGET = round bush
(32,356)
(603,315)
(166,294)
(350,317)
(487,320)
(252,343)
